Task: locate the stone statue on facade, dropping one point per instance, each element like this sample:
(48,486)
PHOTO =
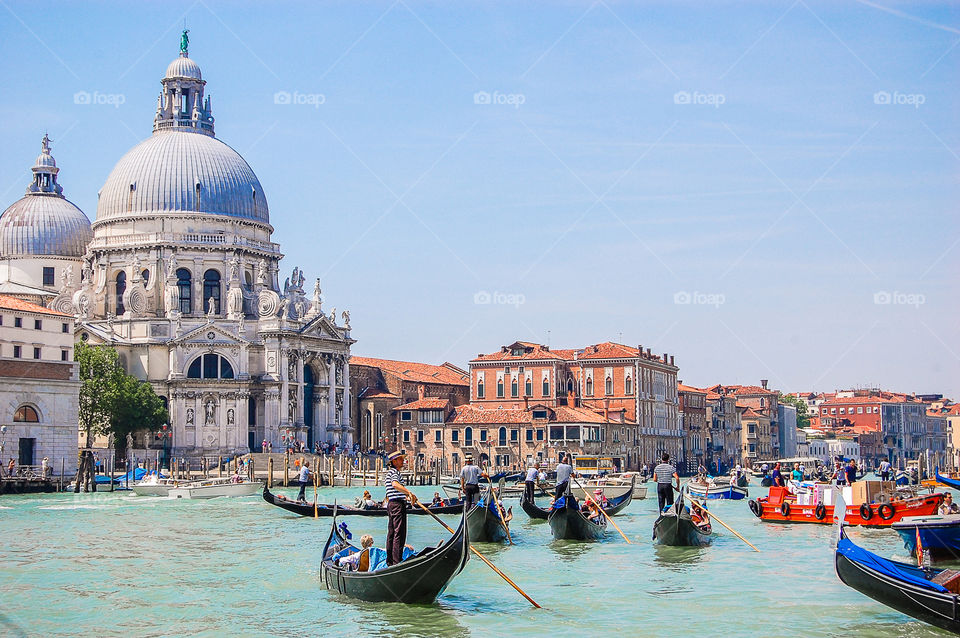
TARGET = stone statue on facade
(210,412)
(235,268)
(211,309)
(262,271)
(230,416)
(346,319)
(189,416)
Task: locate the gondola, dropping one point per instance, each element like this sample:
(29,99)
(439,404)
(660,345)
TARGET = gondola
(533,511)
(566,522)
(949,482)
(326,510)
(484,522)
(614,505)
(417,580)
(929,595)
(676,527)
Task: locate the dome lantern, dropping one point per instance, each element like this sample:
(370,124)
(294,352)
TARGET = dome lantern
(181,105)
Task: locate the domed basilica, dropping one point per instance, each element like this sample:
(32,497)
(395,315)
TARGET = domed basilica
(179,273)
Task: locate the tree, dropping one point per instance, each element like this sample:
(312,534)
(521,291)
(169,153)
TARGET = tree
(803,416)
(112,401)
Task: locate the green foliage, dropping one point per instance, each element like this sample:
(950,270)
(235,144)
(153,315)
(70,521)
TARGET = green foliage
(803,416)
(112,401)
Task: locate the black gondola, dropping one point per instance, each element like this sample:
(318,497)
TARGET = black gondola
(323,509)
(916,592)
(614,505)
(483,522)
(532,510)
(417,580)
(566,522)
(675,527)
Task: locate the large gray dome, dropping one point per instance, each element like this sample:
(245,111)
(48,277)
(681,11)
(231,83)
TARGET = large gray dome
(182,170)
(43,224)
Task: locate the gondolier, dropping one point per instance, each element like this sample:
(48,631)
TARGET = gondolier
(884,470)
(531,481)
(665,474)
(470,481)
(564,472)
(397,496)
(303,478)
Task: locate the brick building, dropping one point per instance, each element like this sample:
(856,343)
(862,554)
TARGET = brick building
(765,405)
(381,385)
(723,418)
(625,384)
(693,423)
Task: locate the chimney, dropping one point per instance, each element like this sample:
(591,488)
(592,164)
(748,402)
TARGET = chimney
(664,357)
(421,391)
(648,353)
(671,359)
(763,383)
(526,402)
(640,350)
(606,410)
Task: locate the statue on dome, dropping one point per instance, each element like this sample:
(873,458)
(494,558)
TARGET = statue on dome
(261,271)
(184,41)
(45,144)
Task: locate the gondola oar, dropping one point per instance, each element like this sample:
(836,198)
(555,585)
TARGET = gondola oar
(481,557)
(714,516)
(316,479)
(496,503)
(607,516)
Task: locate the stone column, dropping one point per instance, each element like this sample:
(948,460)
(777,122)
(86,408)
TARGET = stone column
(271,415)
(347,431)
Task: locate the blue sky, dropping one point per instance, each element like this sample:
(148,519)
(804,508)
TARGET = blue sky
(764,190)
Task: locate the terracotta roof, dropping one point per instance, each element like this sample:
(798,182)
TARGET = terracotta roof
(531,352)
(374,393)
(568,414)
(750,413)
(689,388)
(855,400)
(427,403)
(470,415)
(536,351)
(447,373)
(12,303)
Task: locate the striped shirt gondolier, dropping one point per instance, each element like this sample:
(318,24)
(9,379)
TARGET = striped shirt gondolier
(393,474)
(664,473)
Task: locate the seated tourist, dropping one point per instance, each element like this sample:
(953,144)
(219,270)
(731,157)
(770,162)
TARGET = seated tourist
(948,506)
(366,501)
(699,516)
(437,501)
(352,561)
(600,498)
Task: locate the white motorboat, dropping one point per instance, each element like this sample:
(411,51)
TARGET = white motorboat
(612,481)
(154,486)
(213,488)
(715,489)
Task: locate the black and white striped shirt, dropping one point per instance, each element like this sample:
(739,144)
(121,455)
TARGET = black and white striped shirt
(393,474)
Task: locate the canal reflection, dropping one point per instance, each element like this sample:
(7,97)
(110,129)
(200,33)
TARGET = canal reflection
(396,619)
(676,559)
(570,550)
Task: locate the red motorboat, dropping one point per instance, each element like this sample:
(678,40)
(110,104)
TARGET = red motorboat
(782,506)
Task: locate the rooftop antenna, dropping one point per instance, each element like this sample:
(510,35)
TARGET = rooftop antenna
(620,337)
(548,338)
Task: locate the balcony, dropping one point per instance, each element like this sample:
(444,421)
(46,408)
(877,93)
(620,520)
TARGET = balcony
(180,239)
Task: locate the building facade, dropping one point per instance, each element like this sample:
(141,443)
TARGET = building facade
(692,411)
(39,388)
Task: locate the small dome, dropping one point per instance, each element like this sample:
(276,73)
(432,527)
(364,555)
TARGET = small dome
(183,67)
(182,171)
(44,224)
(45,160)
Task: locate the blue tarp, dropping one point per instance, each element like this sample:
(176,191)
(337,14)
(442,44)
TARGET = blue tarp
(378,557)
(893,569)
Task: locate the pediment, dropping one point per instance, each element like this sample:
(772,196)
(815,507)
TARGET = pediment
(320,327)
(209,334)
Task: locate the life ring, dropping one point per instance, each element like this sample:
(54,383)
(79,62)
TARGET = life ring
(820,512)
(886,511)
(757,508)
(866,512)
(785,508)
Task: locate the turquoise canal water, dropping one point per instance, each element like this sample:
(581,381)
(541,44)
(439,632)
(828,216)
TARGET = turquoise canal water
(122,565)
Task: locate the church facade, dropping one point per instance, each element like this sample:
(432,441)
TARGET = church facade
(182,278)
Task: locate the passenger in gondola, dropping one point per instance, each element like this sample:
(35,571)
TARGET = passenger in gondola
(366,501)
(699,516)
(600,498)
(397,497)
(353,560)
(590,510)
(437,501)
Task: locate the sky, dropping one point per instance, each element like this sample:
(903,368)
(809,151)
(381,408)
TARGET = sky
(762,190)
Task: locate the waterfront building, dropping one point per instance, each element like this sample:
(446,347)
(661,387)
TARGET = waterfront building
(692,411)
(39,387)
(381,385)
(181,276)
(764,418)
(952,415)
(624,383)
(756,442)
(723,419)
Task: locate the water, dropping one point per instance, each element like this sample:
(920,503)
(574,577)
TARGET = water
(122,565)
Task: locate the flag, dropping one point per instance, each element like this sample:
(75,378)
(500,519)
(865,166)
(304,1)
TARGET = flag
(919,549)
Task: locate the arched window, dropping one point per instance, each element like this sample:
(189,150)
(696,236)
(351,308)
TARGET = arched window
(26,414)
(569,386)
(145,276)
(185,287)
(480,388)
(502,436)
(608,385)
(210,366)
(514,388)
(499,388)
(628,385)
(211,290)
(546,387)
(528,388)
(121,288)
(468,436)
(589,391)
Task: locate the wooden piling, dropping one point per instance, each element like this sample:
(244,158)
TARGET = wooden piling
(219,466)
(270,471)
(286,468)
(62,463)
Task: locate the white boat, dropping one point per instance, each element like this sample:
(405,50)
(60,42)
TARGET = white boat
(624,479)
(716,489)
(154,486)
(213,488)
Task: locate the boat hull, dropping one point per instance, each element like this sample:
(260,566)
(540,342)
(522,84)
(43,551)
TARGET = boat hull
(938,534)
(485,526)
(678,531)
(567,523)
(717,492)
(939,609)
(326,510)
(533,511)
(215,491)
(151,490)
(772,513)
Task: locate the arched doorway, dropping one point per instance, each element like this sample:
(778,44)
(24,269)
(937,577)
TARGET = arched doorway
(308,381)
